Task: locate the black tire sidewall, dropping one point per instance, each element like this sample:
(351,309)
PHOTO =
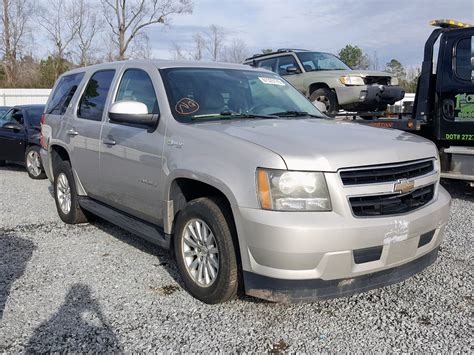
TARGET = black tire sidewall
(42,175)
(329,94)
(75,214)
(226,285)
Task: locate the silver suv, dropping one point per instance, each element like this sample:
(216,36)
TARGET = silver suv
(243,179)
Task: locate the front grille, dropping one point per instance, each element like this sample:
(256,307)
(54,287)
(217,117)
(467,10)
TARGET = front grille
(386,174)
(380,80)
(390,204)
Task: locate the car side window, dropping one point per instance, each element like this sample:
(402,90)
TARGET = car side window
(17,116)
(463,59)
(92,103)
(269,64)
(62,95)
(136,85)
(286,62)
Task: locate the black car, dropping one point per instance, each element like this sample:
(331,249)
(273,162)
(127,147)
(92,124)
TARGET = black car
(20,138)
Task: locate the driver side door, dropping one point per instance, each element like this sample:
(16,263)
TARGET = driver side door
(12,136)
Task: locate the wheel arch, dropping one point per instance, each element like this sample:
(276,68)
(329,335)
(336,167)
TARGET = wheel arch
(317,85)
(186,187)
(59,153)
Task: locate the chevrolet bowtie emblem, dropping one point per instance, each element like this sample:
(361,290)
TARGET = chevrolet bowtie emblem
(403,185)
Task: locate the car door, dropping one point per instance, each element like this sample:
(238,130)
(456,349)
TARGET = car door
(12,140)
(83,129)
(131,156)
(455,88)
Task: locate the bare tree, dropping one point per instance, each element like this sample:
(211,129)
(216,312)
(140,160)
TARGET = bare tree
(127,18)
(199,46)
(88,29)
(215,37)
(236,51)
(61,23)
(177,52)
(15,18)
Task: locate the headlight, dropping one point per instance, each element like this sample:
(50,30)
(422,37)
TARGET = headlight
(394,81)
(351,80)
(284,190)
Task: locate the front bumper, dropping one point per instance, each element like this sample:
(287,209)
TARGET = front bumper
(369,96)
(312,248)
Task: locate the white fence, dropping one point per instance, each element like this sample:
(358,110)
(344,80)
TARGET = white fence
(12,97)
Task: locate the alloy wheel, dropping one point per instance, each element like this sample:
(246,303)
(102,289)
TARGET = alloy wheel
(200,252)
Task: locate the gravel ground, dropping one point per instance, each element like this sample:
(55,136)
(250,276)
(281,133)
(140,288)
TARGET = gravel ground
(95,287)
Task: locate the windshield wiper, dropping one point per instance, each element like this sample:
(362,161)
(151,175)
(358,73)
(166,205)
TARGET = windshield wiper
(230,114)
(295,114)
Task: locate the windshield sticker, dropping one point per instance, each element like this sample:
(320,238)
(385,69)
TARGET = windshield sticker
(271,81)
(186,106)
(464,110)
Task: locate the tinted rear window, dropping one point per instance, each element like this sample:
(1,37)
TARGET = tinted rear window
(34,115)
(62,95)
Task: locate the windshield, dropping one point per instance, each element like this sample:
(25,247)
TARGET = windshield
(313,61)
(210,93)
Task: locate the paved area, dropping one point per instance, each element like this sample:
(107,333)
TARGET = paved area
(96,287)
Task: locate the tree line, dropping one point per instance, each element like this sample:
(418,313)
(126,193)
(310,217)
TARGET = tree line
(80,32)
(84,32)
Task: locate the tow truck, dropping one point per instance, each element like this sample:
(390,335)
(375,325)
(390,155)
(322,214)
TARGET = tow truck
(443,111)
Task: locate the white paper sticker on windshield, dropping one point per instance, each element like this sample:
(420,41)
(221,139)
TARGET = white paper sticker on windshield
(271,81)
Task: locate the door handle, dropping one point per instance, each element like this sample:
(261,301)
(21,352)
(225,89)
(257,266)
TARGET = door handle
(108,141)
(72,132)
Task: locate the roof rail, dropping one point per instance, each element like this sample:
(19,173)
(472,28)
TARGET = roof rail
(291,50)
(279,50)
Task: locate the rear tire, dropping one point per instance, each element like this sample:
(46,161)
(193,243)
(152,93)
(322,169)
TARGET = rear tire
(205,250)
(65,195)
(326,97)
(33,163)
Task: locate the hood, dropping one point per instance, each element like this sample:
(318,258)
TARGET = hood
(356,72)
(326,145)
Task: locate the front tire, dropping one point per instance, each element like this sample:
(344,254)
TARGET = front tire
(326,97)
(33,163)
(65,195)
(205,250)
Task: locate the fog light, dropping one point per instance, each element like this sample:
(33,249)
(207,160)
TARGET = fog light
(363,95)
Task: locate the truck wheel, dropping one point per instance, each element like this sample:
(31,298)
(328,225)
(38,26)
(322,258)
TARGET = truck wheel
(65,195)
(326,97)
(33,163)
(205,251)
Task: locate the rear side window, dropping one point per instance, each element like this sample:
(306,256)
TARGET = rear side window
(463,59)
(91,106)
(62,95)
(136,85)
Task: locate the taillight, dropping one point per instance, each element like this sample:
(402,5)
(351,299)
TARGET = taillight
(42,140)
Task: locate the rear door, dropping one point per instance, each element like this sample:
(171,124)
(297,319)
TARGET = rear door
(455,88)
(12,141)
(131,156)
(83,128)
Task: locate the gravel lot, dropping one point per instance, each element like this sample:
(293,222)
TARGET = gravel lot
(98,288)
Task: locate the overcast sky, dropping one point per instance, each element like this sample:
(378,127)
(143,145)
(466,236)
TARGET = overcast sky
(394,29)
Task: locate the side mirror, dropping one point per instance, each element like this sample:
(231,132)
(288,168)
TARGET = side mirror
(14,126)
(132,112)
(292,70)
